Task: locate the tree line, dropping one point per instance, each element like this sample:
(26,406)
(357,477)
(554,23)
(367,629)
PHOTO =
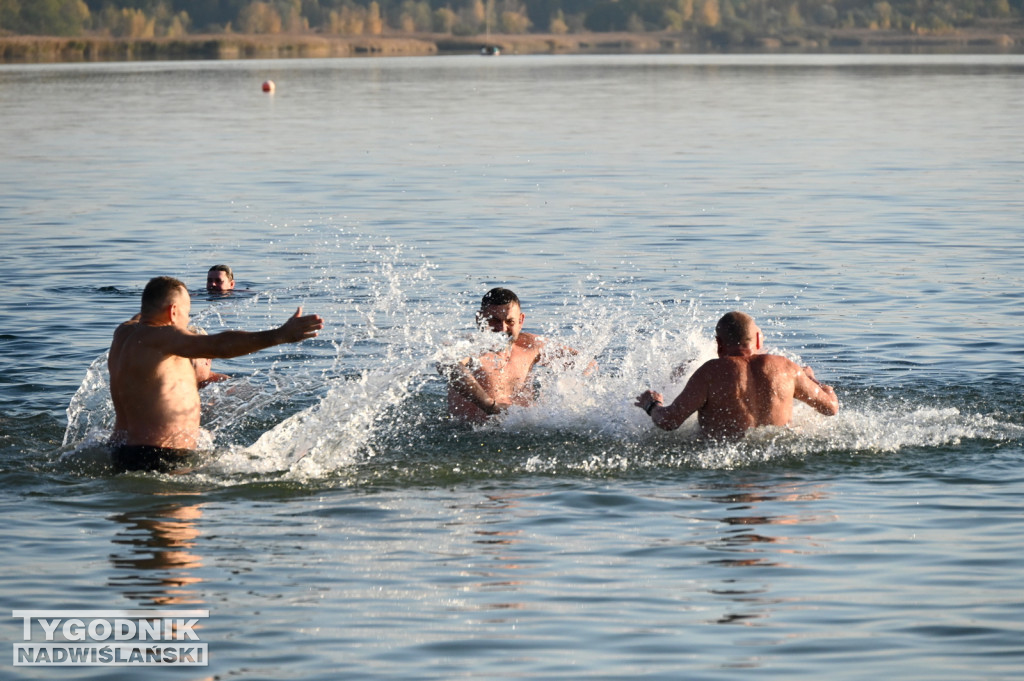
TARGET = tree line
(178,18)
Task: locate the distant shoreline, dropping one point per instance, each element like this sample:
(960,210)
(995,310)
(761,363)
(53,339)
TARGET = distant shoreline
(997,37)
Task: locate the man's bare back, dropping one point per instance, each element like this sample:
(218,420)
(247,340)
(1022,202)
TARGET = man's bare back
(741,390)
(153,383)
(155,394)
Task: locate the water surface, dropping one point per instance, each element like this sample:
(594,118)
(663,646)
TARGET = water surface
(866,210)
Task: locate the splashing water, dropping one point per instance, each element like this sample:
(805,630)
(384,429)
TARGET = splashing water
(91,413)
(368,389)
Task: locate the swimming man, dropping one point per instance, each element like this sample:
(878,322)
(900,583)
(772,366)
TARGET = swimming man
(153,383)
(742,389)
(479,387)
(220,279)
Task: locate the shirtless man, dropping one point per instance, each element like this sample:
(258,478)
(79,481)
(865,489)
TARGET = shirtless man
(482,386)
(742,389)
(220,279)
(153,383)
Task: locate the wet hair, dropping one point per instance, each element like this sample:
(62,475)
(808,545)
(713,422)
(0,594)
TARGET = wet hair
(735,328)
(159,292)
(225,269)
(499,296)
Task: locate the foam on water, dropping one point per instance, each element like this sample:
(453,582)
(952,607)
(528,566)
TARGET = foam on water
(368,387)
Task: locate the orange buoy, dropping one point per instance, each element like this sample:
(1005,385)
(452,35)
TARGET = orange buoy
(268,86)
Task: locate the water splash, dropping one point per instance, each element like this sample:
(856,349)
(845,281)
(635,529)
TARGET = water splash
(91,413)
(366,395)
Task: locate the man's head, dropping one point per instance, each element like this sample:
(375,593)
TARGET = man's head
(500,311)
(737,334)
(220,279)
(166,300)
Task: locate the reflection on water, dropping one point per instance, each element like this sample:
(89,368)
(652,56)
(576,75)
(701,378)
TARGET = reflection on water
(154,558)
(496,551)
(509,544)
(761,548)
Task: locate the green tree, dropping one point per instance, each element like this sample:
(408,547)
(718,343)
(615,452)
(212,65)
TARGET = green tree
(374,22)
(178,25)
(444,20)
(10,16)
(557,24)
(826,15)
(708,13)
(793,17)
(290,12)
(883,14)
(605,16)
(259,17)
(54,17)
(514,22)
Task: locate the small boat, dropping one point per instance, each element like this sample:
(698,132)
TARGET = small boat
(490,50)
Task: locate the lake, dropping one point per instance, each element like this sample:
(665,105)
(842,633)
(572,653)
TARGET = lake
(866,210)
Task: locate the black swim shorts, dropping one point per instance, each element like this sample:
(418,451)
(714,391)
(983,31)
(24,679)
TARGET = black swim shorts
(148,458)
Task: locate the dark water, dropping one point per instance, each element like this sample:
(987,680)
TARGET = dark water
(866,210)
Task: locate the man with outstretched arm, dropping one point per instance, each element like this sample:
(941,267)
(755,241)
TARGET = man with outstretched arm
(742,389)
(479,387)
(153,383)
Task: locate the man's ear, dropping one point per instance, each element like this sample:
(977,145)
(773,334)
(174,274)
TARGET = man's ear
(173,311)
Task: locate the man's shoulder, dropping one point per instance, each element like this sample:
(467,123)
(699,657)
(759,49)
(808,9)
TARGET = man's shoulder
(126,329)
(530,341)
(731,366)
(710,369)
(718,364)
(775,367)
(151,337)
(774,361)
(133,327)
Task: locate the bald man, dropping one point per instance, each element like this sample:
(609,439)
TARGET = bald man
(154,385)
(742,389)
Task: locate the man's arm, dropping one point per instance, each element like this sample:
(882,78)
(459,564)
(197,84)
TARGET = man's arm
(228,344)
(462,380)
(822,397)
(690,400)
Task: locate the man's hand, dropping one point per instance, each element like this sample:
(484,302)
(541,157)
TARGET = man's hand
(648,400)
(495,407)
(299,328)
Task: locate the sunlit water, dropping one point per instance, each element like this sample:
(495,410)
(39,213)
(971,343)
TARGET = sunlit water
(866,210)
